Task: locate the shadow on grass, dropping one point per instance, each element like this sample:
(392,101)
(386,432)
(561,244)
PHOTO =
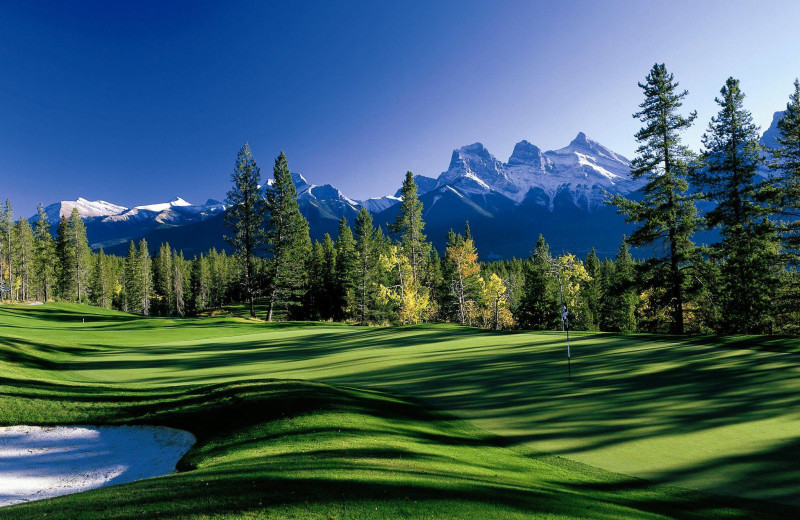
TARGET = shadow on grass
(624,388)
(452,470)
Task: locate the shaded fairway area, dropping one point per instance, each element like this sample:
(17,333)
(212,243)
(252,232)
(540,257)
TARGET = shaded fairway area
(680,411)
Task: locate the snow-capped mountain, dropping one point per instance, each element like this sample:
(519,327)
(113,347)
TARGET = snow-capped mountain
(558,193)
(86,209)
(176,211)
(378,204)
(584,171)
(108,224)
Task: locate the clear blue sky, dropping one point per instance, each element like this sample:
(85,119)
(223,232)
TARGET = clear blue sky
(139,102)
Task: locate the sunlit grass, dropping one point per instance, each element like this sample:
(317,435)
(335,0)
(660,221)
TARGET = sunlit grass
(293,449)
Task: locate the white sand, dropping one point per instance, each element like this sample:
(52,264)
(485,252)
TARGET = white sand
(43,462)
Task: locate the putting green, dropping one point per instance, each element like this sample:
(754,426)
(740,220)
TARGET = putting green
(674,410)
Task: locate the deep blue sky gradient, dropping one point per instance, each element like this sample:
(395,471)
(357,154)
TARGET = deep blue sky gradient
(140,102)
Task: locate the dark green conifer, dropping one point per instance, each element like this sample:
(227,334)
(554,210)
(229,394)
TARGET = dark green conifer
(667,215)
(288,242)
(245,219)
(749,249)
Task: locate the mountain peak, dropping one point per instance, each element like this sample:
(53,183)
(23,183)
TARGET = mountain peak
(770,136)
(178,201)
(474,147)
(525,153)
(582,140)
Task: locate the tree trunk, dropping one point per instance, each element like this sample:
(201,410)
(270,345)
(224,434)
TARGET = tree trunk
(271,304)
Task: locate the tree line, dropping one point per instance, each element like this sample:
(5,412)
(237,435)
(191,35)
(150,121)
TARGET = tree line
(746,282)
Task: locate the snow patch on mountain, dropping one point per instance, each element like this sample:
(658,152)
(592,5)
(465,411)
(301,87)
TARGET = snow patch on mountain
(86,209)
(585,170)
(378,204)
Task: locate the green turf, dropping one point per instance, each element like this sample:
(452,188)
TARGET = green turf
(676,410)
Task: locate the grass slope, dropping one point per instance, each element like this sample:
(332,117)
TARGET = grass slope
(306,450)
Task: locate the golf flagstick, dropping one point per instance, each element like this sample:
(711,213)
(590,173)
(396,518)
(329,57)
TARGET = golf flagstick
(566,327)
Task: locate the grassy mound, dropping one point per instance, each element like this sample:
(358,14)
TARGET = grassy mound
(300,449)
(292,449)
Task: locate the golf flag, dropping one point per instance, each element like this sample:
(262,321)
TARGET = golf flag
(566,325)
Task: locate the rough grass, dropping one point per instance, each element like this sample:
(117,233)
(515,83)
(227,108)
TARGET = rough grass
(298,449)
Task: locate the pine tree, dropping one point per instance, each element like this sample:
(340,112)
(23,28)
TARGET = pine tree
(217,278)
(130,287)
(163,286)
(143,278)
(749,247)
(448,301)
(315,283)
(245,219)
(65,273)
(44,257)
(783,191)
(415,296)
(346,271)
(179,283)
(23,258)
(410,226)
(288,239)
(667,214)
(367,261)
(622,297)
(538,307)
(592,291)
(199,284)
(80,255)
(100,290)
(6,237)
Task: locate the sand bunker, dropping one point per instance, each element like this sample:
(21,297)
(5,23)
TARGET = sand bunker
(43,462)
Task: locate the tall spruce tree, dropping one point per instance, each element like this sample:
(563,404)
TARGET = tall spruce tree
(64,260)
(592,291)
(410,226)
(180,278)
(199,284)
(667,213)
(23,258)
(622,298)
(367,254)
(412,255)
(288,240)
(245,219)
(163,286)
(44,257)
(130,287)
(81,254)
(143,278)
(538,306)
(100,284)
(346,271)
(315,283)
(7,250)
(749,246)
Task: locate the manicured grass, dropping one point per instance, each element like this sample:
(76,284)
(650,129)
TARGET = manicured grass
(676,410)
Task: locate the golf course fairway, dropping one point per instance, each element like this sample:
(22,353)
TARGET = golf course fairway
(314,420)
